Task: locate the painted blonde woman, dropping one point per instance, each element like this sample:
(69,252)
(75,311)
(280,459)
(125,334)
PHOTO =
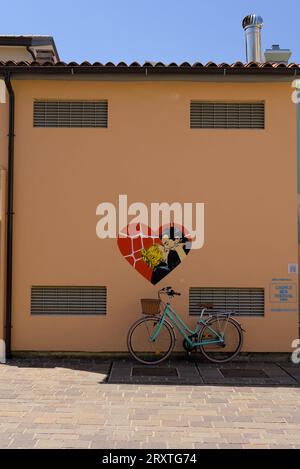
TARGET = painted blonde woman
(155,257)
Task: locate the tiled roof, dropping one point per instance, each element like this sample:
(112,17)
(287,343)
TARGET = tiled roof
(150,67)
(29,41)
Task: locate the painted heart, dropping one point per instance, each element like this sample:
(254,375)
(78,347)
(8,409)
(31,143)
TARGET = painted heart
(154,255)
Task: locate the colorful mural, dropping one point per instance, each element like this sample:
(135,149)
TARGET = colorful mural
(153,255)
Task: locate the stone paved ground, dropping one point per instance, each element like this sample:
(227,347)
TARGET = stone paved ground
(66,403)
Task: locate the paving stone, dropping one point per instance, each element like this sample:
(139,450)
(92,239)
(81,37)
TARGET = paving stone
(292,370)
(199,445)
(187,373)
(130,445)
(48,444)
(274,373)
(21,444)
(69,444)
(102,445)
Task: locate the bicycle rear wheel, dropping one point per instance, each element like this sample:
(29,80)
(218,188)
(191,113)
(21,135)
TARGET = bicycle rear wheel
(232,343)
(142,348)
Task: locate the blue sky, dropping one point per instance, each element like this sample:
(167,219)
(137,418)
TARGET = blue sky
(166,30)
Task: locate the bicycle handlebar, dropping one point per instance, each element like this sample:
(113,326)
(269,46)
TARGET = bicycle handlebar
(169,291)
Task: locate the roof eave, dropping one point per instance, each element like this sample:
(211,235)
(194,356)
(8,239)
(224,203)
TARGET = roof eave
(30,41)
(146,69)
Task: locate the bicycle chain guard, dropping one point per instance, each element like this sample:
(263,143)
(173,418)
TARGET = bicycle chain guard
(187,346)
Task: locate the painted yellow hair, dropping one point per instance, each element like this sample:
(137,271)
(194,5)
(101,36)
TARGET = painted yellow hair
(152,256)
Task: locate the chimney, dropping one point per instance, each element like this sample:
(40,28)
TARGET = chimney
(252,25)
(277,55)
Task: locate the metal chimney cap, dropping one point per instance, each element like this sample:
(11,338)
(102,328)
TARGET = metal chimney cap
(252,20)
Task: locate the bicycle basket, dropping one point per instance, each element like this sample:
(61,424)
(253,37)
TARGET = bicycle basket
(150,306)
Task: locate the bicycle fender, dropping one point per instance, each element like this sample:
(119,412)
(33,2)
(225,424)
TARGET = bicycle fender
(237,323)
(231,318)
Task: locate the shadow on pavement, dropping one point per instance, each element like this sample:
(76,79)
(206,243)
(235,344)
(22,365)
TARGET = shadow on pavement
(178,372)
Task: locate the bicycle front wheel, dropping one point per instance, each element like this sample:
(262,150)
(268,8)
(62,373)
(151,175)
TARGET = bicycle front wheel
(142,348)
(232,342)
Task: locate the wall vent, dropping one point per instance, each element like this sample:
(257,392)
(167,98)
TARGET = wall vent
(241,301)
(70,113)
(217,115)
(68,300)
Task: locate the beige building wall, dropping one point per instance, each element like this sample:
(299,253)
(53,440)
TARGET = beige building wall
(246,178)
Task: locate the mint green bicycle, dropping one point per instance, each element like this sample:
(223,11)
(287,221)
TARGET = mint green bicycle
(151,339)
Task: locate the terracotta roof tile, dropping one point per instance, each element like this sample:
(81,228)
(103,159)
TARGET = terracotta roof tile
(238,65)
(211,64)
(267,65)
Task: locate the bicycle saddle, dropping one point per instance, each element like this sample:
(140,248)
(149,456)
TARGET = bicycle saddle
(206,305)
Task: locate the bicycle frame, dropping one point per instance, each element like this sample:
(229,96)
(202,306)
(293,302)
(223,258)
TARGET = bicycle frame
(175,319)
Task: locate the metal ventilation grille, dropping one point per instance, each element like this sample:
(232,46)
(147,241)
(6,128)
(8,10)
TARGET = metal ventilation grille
(70,113)
(208,115)
(241,301)
(68,300)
